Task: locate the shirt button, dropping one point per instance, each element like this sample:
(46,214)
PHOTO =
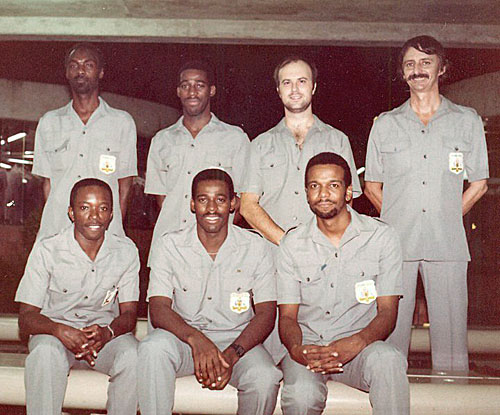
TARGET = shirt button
(79,176)
(308,279)
(362,273)
(184,220)
(423,131)
(210,321)
(425,156)
(189,171)
(93,270)
(192,145)
(186,196)
(331,285)
(423,210)
(84,132)
(321,336)
(296,192)
(86,297)
(424,183)
(298,168)
(336,255)
(294,218)
(271,165)
(184,289)
(81,155)
(76,315)
(65,290)
(327,313)
(209,298)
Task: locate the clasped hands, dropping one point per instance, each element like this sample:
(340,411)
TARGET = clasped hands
(212,368)
(84,343)
(327,359)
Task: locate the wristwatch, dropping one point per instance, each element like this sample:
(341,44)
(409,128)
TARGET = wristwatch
(240,351)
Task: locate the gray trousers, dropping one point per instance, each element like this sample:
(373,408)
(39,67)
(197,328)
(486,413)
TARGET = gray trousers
(164,357)
(48,364)
(380,369)
(445,285)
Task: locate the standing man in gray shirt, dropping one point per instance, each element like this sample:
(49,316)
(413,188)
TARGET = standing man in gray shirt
(339,282)
(85,138)
(271,199)
(197,141)
(418,157)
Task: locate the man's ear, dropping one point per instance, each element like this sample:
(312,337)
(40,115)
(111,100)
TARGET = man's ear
(314,88)
(348,193)
(213,90)
(234,204)
(101,73)
(191,205)
(71,214)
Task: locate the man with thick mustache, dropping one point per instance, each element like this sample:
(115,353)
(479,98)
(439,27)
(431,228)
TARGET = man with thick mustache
(85,138)
(212,301)
(339,282)
(197,141)
(78,300)
(271,201)
(418,157)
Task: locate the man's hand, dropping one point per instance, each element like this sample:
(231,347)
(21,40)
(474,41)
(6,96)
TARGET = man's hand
(318,359)
(331,358)
(209,362)
(231,358)
(97,337)
(73,339)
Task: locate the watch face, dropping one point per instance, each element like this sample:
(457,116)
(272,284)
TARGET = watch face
(240,351)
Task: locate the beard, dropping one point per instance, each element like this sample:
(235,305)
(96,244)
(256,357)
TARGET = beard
(330,214)
(298,109)
(82,87)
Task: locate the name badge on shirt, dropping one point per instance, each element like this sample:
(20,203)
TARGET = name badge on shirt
(456,162)
(366,292)
(110,296)
(107,164)
(239,302)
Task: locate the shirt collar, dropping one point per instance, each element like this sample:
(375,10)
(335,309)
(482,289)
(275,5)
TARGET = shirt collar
(74,247)
(444,108)
(214,121)
(101,110)
(317,126)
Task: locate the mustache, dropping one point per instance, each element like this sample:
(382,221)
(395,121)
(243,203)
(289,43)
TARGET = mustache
(417,76)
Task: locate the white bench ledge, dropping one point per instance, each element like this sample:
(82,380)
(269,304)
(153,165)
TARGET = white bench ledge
(430,395)
(480,340)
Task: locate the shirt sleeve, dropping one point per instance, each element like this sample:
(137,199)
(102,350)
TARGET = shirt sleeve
(346,153)
(161,276)
(41,162)
(34,284)
(390,277)
(129,282)
(240,162)
(265,275)
(374,166)
(288,282)
(476,164)
(156,178)
(252,183)
(128,151)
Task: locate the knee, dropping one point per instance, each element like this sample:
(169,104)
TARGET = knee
(46,350)
(126,358)
(386,358)
(262,378)
(304,396)
(159,344)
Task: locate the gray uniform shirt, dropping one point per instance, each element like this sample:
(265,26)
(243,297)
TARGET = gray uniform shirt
(336,288)
(72,289)
(277,166)
(422,169)
(175,158)
(213,296)
(66,151)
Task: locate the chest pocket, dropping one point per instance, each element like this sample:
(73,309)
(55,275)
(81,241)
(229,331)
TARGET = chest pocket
(220,159)
(274,171)
(187,295)
(64,289)
(58,153)
(454,155)
(312,285)
(355,272)
(397,159)
(107,155)
(171,168)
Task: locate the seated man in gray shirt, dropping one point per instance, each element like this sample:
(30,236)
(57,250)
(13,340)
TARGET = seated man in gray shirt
(78,300)
(339,281)
(212,301)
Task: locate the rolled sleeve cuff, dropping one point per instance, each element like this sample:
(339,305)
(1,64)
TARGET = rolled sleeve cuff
(288,300)
(482,175)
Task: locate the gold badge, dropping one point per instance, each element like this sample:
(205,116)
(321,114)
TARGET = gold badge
(239,302)
(366,291)
(456,162)
(107,164)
